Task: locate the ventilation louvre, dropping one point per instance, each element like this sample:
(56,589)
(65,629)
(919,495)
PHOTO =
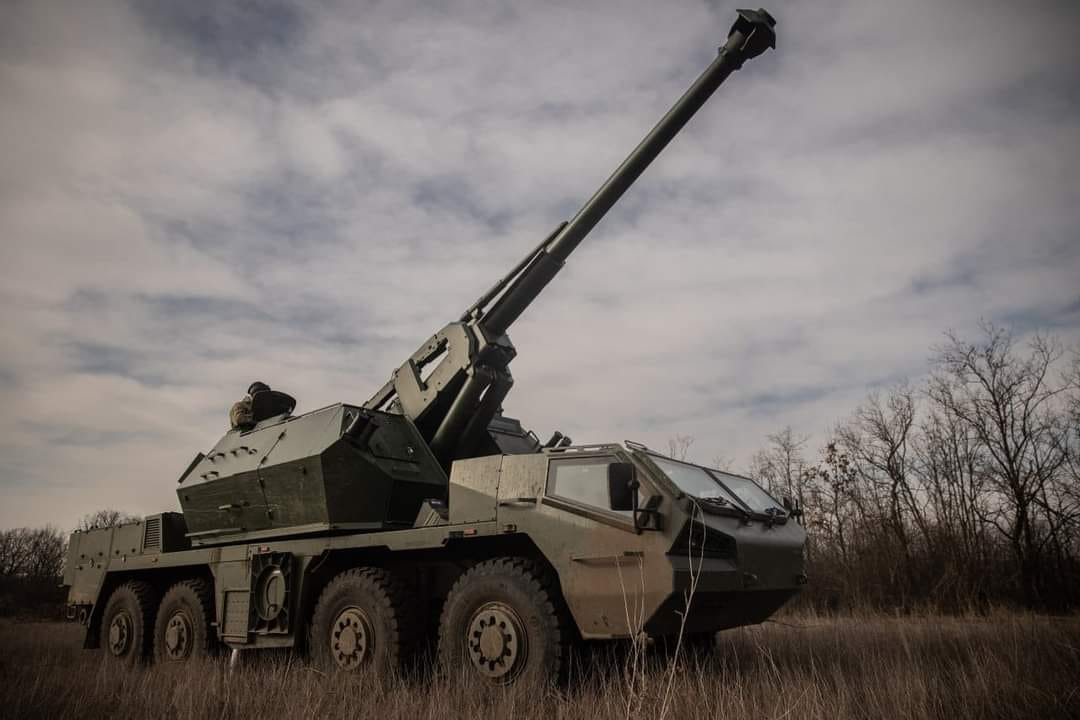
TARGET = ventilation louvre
(152,533)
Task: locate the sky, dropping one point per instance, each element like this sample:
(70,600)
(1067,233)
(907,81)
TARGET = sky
(194,196)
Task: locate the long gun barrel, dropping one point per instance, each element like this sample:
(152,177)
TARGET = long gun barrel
(453,385)
(751,35)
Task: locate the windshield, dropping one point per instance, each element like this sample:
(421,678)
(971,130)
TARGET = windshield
(747,490)
(693,480)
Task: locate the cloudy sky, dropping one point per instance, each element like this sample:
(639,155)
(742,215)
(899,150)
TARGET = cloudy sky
(197,195)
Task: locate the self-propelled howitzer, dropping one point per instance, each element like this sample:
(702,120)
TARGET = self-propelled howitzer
(363,533)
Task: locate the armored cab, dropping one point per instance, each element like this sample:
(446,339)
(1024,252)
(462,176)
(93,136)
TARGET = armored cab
(340,468)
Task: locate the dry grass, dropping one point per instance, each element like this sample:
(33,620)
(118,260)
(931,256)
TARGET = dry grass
(1006,666)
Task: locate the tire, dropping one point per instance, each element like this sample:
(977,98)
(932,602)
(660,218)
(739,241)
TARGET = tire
(504,620)
(182,630)
(361,623)
(127,623)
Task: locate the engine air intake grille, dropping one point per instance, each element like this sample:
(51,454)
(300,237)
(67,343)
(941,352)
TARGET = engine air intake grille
(152,533)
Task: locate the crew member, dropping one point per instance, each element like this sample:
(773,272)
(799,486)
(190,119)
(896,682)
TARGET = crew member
(260,403)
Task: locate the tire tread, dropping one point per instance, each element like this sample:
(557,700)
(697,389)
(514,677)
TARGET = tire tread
(540,583)
(145,598)
(203,591)
(393,598)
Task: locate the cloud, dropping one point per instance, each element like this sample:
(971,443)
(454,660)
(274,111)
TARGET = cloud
(194,197)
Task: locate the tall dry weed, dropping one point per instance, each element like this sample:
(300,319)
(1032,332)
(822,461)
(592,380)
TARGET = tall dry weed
(1004,666)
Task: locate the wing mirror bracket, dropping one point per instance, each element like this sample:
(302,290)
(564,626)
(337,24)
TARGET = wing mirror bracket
(623,487)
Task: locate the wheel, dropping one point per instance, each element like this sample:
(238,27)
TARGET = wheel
(127,622)
(361,622)
(503,619)
(182,630)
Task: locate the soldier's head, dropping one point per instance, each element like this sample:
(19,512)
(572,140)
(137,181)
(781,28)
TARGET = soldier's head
(258,387)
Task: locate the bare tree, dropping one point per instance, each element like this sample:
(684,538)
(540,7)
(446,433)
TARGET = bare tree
(951,462)
(959,496)
(1072,405)
(47,548)
(679,446)
(32,553)
(781,467)
(1006,399)
(105,518)
(829,489)
(879,440)
(14,548)
(723,463)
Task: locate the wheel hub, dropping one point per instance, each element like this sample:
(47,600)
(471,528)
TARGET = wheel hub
(351,638)
(120,631)
(497,642)
(178,634)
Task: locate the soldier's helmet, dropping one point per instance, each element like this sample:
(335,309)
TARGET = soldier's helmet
(267,403)
(257,387)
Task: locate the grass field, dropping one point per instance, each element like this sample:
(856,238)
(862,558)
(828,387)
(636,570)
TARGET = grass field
(1003,666)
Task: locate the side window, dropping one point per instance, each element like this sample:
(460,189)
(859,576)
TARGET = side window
(581,480)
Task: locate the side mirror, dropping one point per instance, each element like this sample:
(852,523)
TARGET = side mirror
(622,487)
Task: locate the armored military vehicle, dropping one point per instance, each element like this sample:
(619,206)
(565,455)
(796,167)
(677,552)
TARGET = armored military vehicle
(358,532)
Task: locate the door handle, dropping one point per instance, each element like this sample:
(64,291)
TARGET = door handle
(517,501)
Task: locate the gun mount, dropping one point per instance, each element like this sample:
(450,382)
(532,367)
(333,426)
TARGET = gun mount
(453,386)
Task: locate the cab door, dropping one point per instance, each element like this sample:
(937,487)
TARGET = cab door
(605,567)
